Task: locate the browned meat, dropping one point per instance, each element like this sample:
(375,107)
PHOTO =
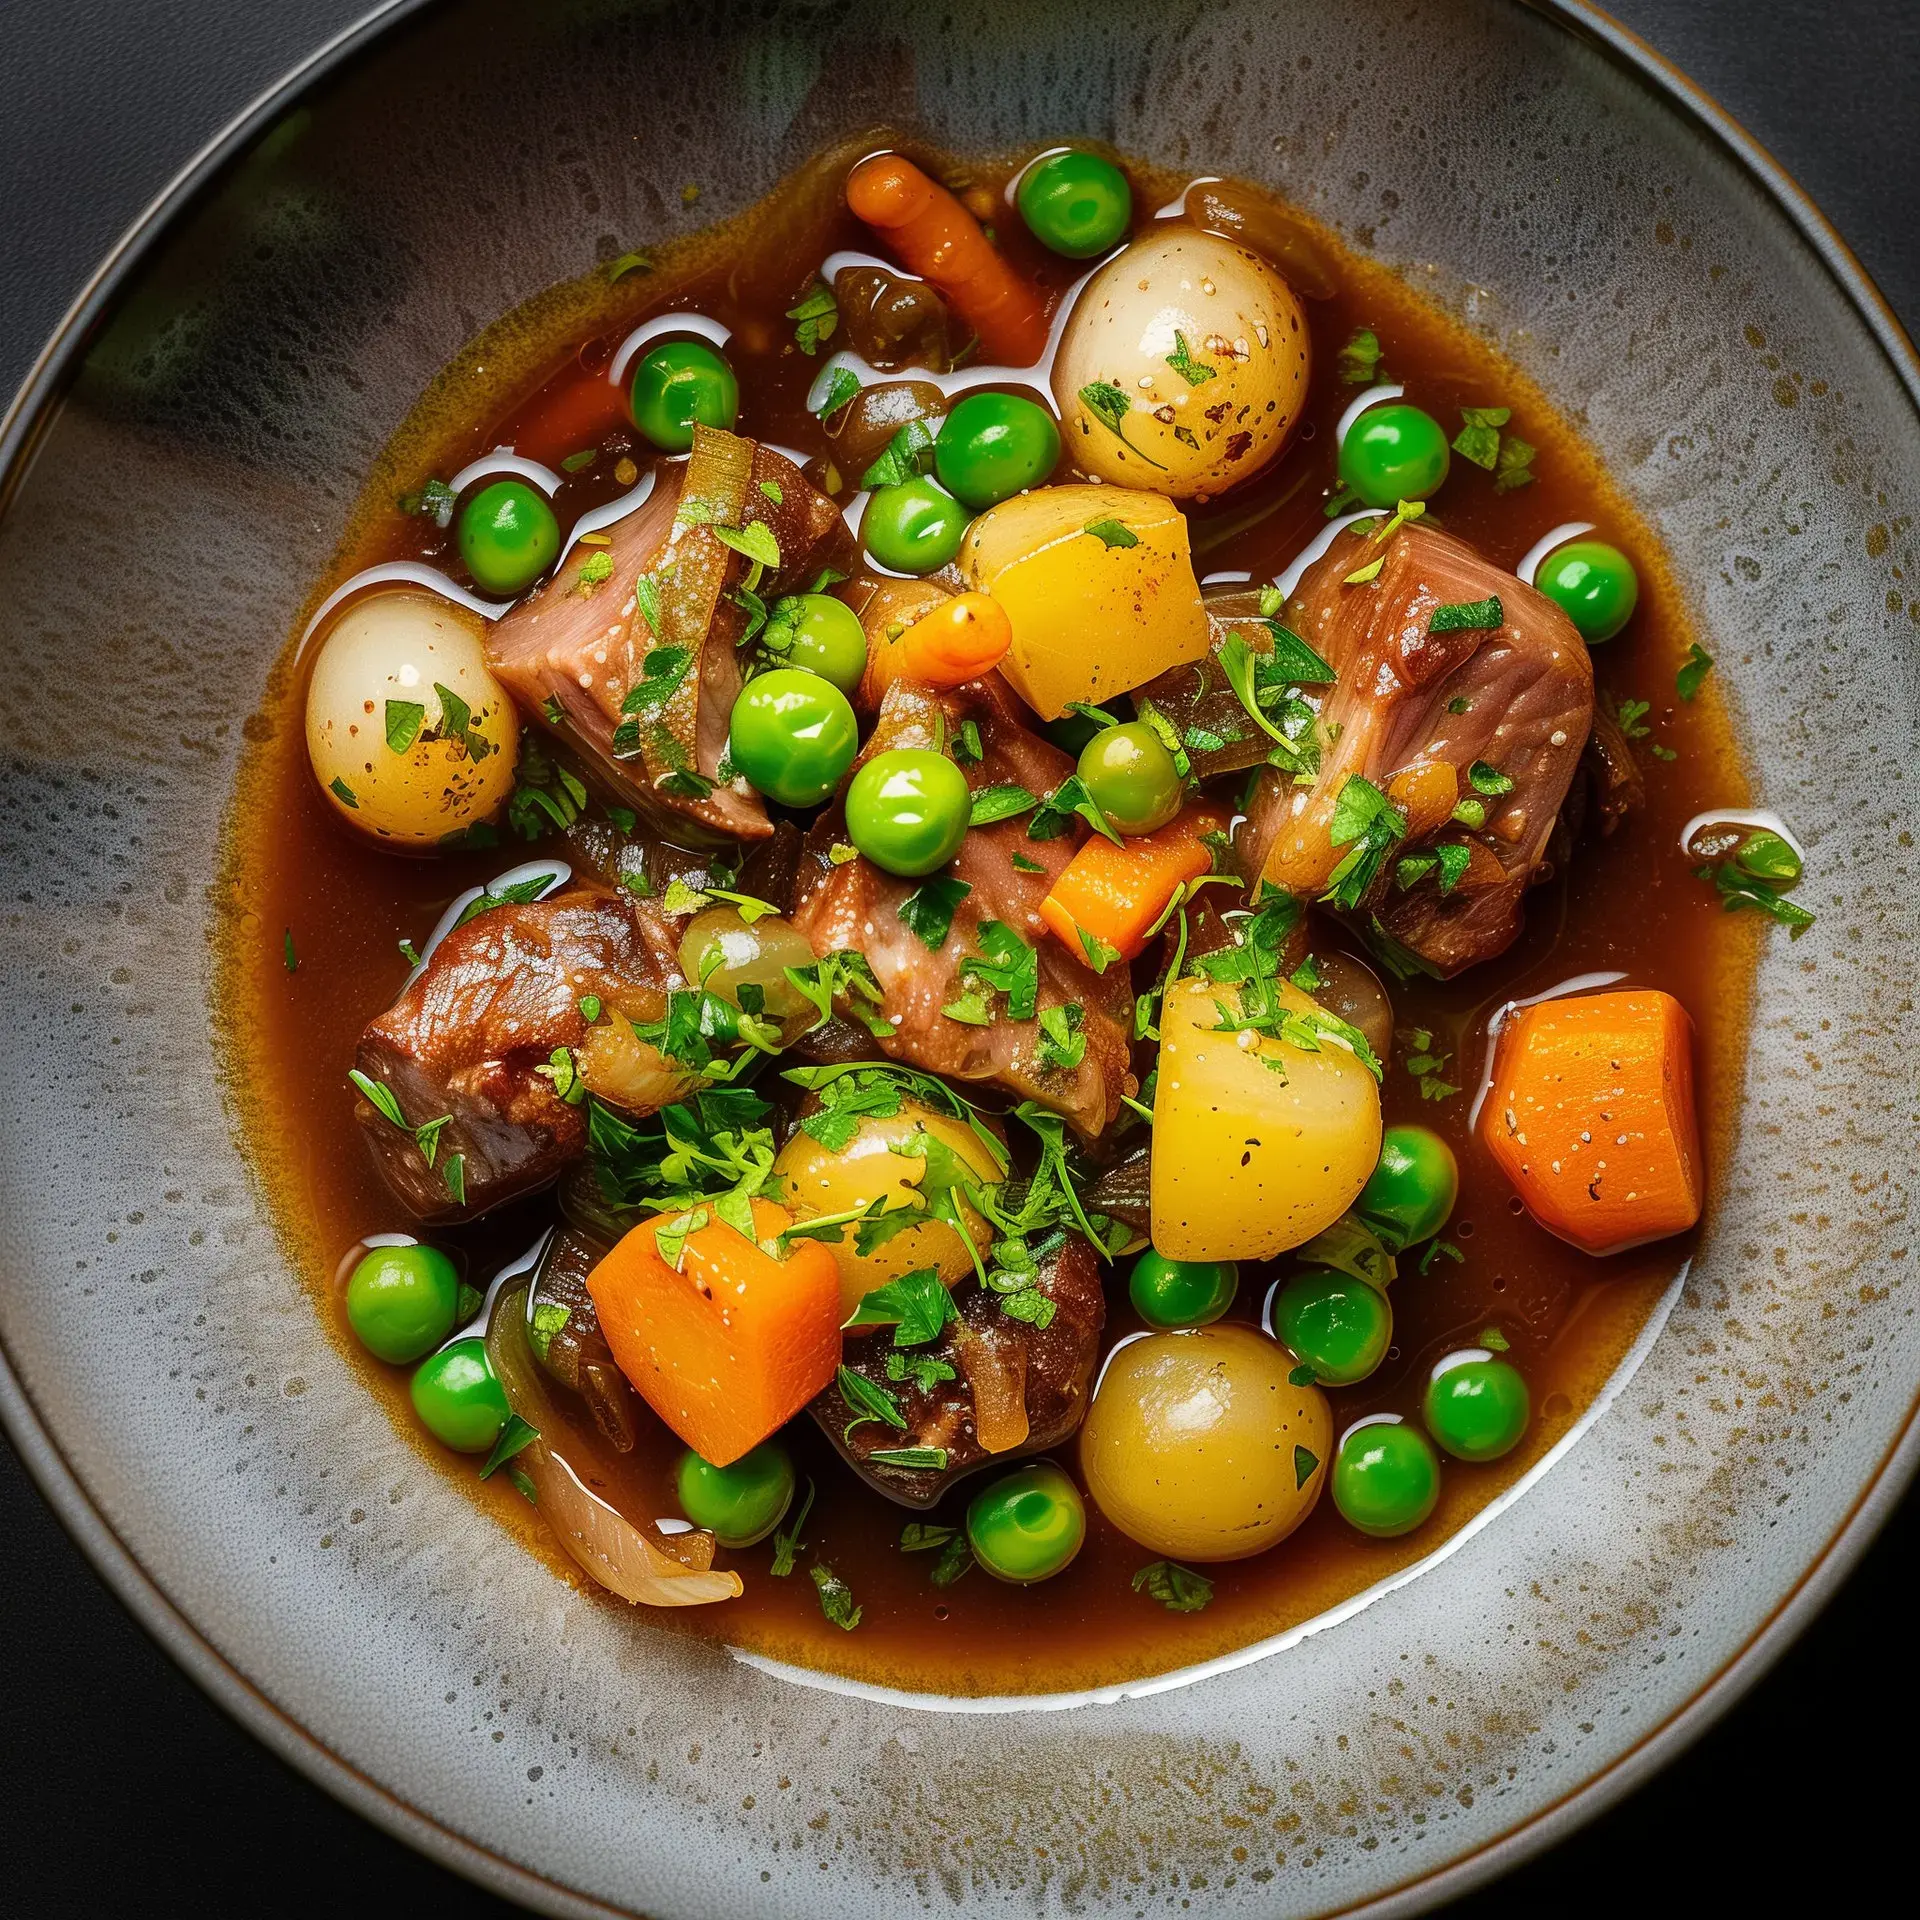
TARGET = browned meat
(567,1341)
(578,649)
(1413,711)
(1019,1387)
(468,1038)
(1613,785)
(1199,700)
(856,906)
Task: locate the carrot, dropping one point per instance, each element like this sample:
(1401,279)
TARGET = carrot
(938,239)
(734,1342)
(959,640)
(1591,1116)
(1115,894)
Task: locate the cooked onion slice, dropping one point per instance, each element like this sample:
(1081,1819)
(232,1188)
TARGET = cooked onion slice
(615,1063)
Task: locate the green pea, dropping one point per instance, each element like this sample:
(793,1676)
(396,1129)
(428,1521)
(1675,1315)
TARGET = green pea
(1339,1326)
(1075,203)
(508,537)
(739,1503)
(1071,732)
(994,445)
(458,1399)
(401,1302)
(1181,1293)
(793,735)
(1593,584)
(818,634)
(681,384)
(907,810)
(1476,1406)
(1130,773)
(1412,1191)
(1393,453)
(1386,1477)
(1028,1525)
(1768,856)
(915,527)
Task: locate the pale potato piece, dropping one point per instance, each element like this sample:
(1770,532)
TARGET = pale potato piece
(1182,367)
(386,656)
(1249,1161)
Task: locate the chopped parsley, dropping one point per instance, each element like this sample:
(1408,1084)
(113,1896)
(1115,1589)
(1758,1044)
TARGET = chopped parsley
(1193,372)
(918,1459)
(1693,671)
(1740,892)
(787,1542)
(1467,616)
(929,909)
(1003,801)
(836,1598)
(289,959)
(1112,533)
(1305,1465)
(1426,1063)
(1062,1043)
(1514,468)
(404,721)
(1360,359)
(1070,797)
(1006,965)
(1368,823)
(456,723)
(1179,1589)
(917,1306)
(908,454)
(343,793)
(515,1437)
(433,502)
(1107,402)
(1488,780)
(922,1369)
(815,318)
(840,386)
(595,571)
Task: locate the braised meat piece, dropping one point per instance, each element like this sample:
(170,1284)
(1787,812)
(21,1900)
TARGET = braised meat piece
(1014,1388)
(469,1036)
(856,906)
(638,667)
(564,1332)
(1442,697)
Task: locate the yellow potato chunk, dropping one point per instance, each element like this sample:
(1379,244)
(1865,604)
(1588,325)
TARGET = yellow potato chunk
(1098,584)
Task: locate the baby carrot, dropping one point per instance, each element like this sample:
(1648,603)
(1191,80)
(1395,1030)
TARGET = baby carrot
(1115,894)
(957,641)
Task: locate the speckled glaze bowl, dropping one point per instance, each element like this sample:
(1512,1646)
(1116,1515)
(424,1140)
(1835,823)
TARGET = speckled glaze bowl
(176,477)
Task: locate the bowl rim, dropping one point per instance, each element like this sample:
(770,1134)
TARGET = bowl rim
(27,415)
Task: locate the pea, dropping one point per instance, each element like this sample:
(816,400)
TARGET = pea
(681,384)
(914,527)
(1476,1406)
(1075,203)
(741,1502)
(508,537)
(1339,1326)
(1768,856)
(1028,1525)
(1131,775)
(793,735)
(1593,584)
(994,445)
(1386,1477)
(818,634)
(1181,1293)
(1412,1191)
(401,1302)
(1072,731)
(1393,453)
(458,1399)
(907,810)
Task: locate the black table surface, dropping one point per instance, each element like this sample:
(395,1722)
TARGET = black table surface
(128,1793)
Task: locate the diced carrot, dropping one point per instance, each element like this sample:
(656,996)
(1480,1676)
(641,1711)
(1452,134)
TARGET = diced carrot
(938,239)
(732,1344)
(1591,1116)
(1115,894)
(957,641)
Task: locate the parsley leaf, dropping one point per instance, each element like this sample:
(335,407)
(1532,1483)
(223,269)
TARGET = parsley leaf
(917,1306)
(1193,372)
(833,393)
(1112,533)
(869,1402)
(1467,616)
(343,793)
(908,454)
(1062,1043)
(1179,1589)
(1005,800)
(515,1436)
(1693,671)
(1740,893)
(814,318)
(404,721)
(1488,780)
(1515,465)
(1008,965)
(922,1369)
(1107,402)
(836,1598)
(787,1542)
(1305,1465)
(1360,359)
(1071,796)
(289,959)
(929,909)
(1367,821)
(1479,437)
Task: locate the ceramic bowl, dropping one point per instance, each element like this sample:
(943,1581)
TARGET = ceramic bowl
(176,477)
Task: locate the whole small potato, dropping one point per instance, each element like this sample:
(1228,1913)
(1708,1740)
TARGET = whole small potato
(390,756)
(1183,365)
(1199,1445)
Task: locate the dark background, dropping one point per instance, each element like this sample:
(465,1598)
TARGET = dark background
(128,1793)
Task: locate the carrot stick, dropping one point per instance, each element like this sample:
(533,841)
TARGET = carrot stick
(1115,894)
(938,239)
(957,641)
(1591,1116)
(731,1342)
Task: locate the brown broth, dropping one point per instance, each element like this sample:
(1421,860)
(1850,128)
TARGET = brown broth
(536,381)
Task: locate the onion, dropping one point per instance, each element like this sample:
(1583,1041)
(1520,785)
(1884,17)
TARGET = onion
(618,1065)
(996,1371)
(633,1559)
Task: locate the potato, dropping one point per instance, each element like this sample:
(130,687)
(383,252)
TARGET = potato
(1094,614)
(818,1180)
(1250,1159)
(1199,1445)
(721,952)
(1183,365)
(377,731)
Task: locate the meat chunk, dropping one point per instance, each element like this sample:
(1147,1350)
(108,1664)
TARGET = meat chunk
(661,631)
(1414,711)
(567,1342)
(468,1037)
(856,906)
(1015,1389)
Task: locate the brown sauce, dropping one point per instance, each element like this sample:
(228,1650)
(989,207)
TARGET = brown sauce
(536,381)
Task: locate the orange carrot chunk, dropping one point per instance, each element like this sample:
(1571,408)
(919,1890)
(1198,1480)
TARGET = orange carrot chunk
(936,238)
(1115,894)
(958,641)
(731,1343)
(1591,1116)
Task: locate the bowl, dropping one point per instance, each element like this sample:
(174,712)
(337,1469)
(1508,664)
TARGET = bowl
(174,481)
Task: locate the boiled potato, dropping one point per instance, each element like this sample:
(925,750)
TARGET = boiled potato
(723,953)
(816,1179)
(1098,585)
(379,736)
(1182,367)
(1200,1446)
(1251,1158)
